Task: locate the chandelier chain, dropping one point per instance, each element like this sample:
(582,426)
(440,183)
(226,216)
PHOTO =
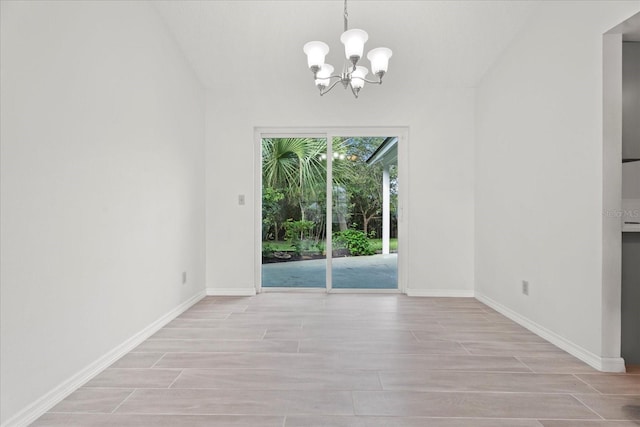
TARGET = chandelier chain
(346,16)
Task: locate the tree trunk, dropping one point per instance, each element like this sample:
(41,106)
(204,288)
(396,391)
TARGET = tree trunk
(365,222)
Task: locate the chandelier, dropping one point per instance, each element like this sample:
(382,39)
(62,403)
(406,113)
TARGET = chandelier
(353,75)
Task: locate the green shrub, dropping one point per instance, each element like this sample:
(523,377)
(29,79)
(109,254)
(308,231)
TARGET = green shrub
(267,250)
(354,240)
(297,233)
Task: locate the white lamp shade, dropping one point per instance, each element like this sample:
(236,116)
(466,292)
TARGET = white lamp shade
(358,76)
(354,41)
(316,51)
(379,58)
(323,76)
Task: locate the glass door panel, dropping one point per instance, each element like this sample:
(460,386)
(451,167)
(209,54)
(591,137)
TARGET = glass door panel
(294,193)
(364,213)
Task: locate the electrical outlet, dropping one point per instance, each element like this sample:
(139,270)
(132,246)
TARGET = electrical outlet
(241,199)
(184,277)
(525,287)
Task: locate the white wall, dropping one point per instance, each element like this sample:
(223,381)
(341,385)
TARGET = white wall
(440,194)
(102,186)
(539,177)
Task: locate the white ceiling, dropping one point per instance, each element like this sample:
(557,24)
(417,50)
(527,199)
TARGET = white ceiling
(438,43)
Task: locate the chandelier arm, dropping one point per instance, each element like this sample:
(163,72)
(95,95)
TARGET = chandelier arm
(374,82)
(322,92)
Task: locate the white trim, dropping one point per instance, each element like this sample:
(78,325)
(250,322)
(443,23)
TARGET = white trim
(231,292)
(59,393)
(403,208)
(401,132)
(363,291)
(610,364)
(604,364)
(257,210)
(611,194)
(328,244)
(441,293)
(301,290)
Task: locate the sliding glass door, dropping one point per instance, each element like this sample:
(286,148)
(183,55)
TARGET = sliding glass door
(329,212)
(294,225)
(364,219)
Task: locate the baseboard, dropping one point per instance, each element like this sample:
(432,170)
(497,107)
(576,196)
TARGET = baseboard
(604,364)
(59,393)
(444,293)
(231,292)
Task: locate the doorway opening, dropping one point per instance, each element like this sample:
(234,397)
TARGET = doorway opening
(329,212)
(621,195)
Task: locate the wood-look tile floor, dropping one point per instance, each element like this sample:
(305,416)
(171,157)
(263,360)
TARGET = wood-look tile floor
(318,360)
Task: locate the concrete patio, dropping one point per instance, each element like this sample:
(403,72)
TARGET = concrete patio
(363,272)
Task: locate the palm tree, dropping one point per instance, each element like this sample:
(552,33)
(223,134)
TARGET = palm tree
(296,167)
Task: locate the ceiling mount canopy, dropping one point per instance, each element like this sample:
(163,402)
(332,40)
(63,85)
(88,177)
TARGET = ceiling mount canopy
(353,75)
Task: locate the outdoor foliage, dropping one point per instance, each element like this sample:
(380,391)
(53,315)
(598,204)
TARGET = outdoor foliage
(271,211)
(299,235)
(355,240)
(267,250)
(363,184)
(294,193)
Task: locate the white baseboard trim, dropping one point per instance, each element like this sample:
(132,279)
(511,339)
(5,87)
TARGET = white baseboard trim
(443,293)
(59,393)
(604,364)
(231,292)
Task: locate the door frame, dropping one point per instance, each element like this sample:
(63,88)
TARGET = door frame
(402,133)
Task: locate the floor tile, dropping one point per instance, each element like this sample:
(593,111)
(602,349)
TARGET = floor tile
(219,307)
(513,348)
(569,423)
(324,421)
(426,362)
(613,407)
(137,360)
(339,333)
(516,337)
(92,400)
(479,405)
(282,379)
(448,422)
(134,378)
(613,384)
(209,334)
(246,360)
(235,323)
(336,421)
(132,420)
(400,346)
(204,315)
(465,325)
(559,365)
(377,324)
(196,346)
(240,402)
(316,359)
(483,381)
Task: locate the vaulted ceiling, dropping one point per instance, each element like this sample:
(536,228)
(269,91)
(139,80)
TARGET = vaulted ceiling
(435,43)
